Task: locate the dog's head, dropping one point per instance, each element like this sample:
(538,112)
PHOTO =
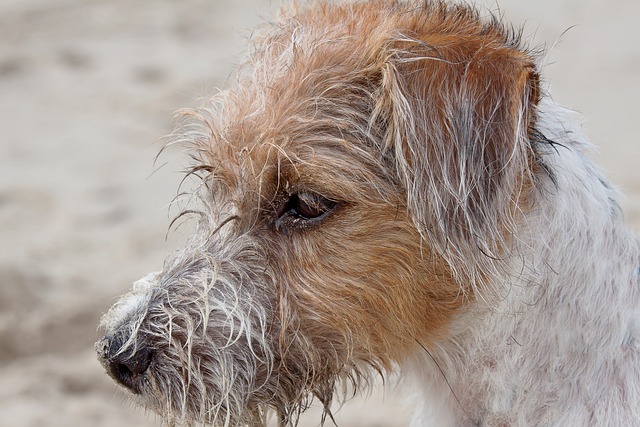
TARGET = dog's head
(359,185)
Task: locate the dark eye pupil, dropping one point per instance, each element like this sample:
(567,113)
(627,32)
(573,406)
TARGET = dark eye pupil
(309,205)
(303,209)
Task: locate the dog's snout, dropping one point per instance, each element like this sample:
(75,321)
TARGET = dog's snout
(126,366)
(128,371)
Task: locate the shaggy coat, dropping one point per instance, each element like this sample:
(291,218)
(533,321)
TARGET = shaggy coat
(386,189)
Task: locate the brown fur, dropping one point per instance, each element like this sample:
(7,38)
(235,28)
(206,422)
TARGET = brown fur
(413,119)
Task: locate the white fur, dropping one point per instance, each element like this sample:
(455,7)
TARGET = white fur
(561,347)
(135,301)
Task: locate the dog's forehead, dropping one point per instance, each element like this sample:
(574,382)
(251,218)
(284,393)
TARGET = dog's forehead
(260,138)
(321,160)
(305,102)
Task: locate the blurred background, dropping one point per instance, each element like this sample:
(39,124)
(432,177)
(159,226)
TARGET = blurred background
(88,88)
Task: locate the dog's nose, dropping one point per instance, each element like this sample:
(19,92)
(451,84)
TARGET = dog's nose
(125,367)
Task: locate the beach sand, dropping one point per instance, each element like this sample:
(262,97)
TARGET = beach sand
(87,91)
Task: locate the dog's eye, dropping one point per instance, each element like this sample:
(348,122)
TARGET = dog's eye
(303,208)
(309,205)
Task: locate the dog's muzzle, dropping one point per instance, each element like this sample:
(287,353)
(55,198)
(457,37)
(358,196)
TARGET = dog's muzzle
(126,358)
(125,367)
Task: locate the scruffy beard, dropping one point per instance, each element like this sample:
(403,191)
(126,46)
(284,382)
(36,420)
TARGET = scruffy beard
(226,351)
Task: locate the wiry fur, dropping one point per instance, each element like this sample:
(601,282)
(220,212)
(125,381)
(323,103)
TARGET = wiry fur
(469,242)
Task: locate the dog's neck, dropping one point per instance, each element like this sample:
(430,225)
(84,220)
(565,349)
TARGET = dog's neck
(510,359)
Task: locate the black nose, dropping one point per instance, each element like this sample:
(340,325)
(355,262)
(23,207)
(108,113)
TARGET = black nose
(126,366)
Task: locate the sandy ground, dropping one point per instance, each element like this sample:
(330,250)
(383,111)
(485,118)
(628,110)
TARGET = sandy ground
(87,88)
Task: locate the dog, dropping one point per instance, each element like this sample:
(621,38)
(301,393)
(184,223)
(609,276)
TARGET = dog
(387,190)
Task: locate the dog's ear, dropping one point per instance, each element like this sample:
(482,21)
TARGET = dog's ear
(456,115)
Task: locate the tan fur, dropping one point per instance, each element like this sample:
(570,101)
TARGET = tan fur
(416,120)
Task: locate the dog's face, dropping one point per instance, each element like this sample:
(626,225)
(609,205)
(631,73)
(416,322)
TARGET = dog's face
(367,166)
